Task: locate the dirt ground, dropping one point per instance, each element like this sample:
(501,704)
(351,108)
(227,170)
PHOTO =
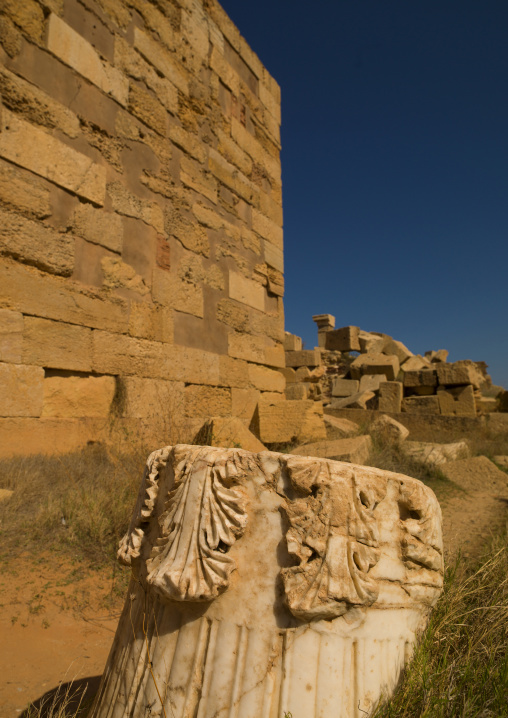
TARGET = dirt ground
(57,619)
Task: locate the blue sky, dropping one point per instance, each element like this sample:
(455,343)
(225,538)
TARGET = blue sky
(394,166)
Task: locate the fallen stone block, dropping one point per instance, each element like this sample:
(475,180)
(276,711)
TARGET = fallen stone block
(388,428)
(288,373)
(371,382)
(360,400)
(477,474)
(368,341)
(345,387)
(227,432)
(398,349)
(458,401)
(485,405)
(457,374)
(316,374)
(338,428)
(306,357)
(415,363)
(375,364)
(355,450)
(280,421)
(421,405)
(390,396)
(344,339)
(440,356)
(303,373)
(325,323)
(434,454)
(216,612)
(421,378)
(292,343)
(294,392)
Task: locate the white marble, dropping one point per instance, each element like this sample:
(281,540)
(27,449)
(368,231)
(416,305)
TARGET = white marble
(266,583)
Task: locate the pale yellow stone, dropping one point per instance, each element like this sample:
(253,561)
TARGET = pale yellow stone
(292,343)
(246,291)
(457,401)
(228,432)
(247,141)
(124,355)
(76,396)
(375,364)
(360,400)
(244,403)
(229,149)
(266,379)
(354,450)
(224,70)
(305,357)
(267,229)
(149,321)
(23,190)
(274,356)
(274,256)
(176,293)
(193,176)
(37,150)
(434,454)
(285,421)
(40,294)
(388,428)
(247,346)
(20,390)
(234,372)
(146,398)
(70,47)
(390,396)
(160,58)
(119,275)
(207,401)
(57,345)
(339,428)
(11,336)
(98,226)
(124,202)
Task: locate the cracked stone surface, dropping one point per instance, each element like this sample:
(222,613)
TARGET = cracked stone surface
(266,583)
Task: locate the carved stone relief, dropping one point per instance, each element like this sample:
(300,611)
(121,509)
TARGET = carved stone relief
(266,583)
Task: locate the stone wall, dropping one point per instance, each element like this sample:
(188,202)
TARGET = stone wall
(141,222)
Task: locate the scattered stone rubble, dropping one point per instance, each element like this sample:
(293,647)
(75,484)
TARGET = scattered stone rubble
(354,369)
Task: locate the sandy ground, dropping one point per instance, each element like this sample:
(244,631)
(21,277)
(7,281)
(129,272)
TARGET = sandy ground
(57,620)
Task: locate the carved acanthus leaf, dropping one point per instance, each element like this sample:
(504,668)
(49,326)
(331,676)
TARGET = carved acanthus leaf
(203,517)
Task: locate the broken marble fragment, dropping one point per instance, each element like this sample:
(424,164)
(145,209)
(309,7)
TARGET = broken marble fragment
(266,583)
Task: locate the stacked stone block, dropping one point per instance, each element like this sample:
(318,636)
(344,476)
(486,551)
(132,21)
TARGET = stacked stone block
(141,262)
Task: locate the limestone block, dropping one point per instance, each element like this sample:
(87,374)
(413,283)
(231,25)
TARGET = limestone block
(314,615)
(289,374)
(72,48)
(142,398)
(266,379)
(424,377)
(375,364)
(274,256)
(161,59)
(228,432)
(434,454)
(20,390)
(421,405)
(306,357)
(369,341)
(207,401)
(246,291)
(98,226)
(485,405)
(23,190)
(325,323)
(415,363)
(295,392)
(35,149)
(316,374)
(345,387)
(244,403)
(292,343)
(11,336)
(457,374)
(248,347)
(360,400)
(371,382)
(36,244)
(392,346)
(281,421)
(302,374)
(388,428)
(57,345)
(354,450)
(457,401)
(77,396)
(440,356)
(390,396)
(345,339)
(338,428)
(274,356)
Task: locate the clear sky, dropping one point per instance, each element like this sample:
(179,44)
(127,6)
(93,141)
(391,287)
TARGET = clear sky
(394,166)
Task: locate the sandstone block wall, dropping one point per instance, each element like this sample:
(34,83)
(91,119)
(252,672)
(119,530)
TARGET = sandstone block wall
(141,263)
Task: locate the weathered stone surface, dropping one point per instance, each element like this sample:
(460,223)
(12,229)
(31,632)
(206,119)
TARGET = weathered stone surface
(289,374)
(355,552)
(295,392)
(228,432)
(325,323)
(57,345)
(457,374)
(306,357)
(354,450)
(292,343)
(20,189)
(303,373)
(315,375)
(281,421)
(142,398)
(485,405)
(457,401)
(337,428)
(390,396)
(359,400)
(70,47)
(375,364)
(345,387)
(421,405)
(35,149)
(98,226)
(424,377)
(440,356)
(344,339)
(207,401)
(266,379)
(415,363)
(11,336)
(503,401)
(246,291)
(371,382)
(77,396)
(36,244)
(369,341)
(389,428)
(398,349)
(20,390)
(434,454)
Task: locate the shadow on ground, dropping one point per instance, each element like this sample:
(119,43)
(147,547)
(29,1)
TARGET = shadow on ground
(75,695)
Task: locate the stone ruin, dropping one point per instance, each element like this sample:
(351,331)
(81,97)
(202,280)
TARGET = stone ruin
(265,583)
(354,369)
